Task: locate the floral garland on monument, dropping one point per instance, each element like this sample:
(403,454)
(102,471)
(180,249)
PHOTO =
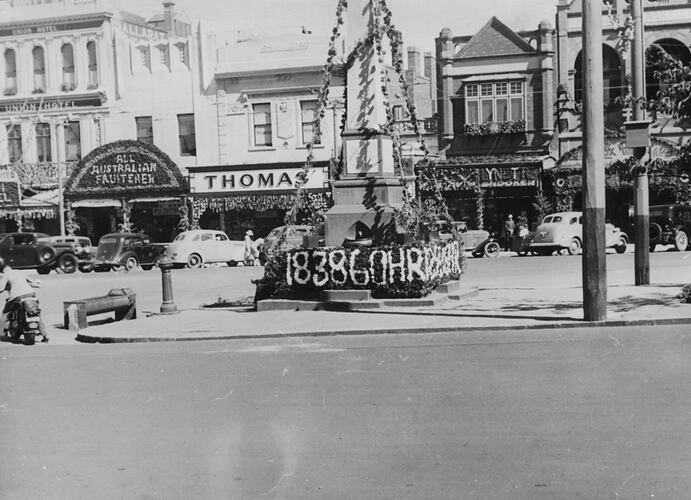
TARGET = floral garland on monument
(390,30)
(322,101)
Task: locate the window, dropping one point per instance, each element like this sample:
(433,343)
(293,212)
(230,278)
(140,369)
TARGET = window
(182,53)
(73,144)
(43,142)
(261,116)
(494,102)
(398,114)
(188,143)
(14,142)
(10,71)
(163,56)
(39,70)
(145,129)
(93,64)
(310,126)
(144,60)
(69,81)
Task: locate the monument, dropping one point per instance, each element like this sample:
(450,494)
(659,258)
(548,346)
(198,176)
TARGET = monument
(369,189)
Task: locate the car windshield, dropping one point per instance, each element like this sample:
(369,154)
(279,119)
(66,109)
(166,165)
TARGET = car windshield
(552,219)
(108,240)
(659,211)
(180,237)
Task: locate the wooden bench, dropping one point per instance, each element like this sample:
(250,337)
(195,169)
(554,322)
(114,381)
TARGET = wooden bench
(121,301)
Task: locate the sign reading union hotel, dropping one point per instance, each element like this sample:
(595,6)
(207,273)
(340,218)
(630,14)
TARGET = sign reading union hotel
(125,168)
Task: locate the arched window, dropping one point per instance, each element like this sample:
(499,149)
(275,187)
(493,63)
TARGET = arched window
(658,58)
(69,80)
(10,72)
(93,64)
(611,75)
(39,70)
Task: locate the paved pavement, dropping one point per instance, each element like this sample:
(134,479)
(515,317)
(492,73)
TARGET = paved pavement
(542,303)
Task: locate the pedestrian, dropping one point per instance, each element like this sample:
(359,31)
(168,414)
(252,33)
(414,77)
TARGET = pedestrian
(507,233)
(18,285)
(249,253)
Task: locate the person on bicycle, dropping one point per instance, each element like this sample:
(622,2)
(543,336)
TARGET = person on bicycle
(18,285)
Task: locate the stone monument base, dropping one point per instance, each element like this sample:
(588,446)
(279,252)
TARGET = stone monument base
(363,207)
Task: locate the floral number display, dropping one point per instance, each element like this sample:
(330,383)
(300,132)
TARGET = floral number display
(411,270)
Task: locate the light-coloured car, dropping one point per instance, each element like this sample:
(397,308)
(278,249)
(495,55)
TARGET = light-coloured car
(564,230)
(204,246)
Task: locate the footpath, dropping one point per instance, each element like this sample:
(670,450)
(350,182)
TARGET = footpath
(544,303)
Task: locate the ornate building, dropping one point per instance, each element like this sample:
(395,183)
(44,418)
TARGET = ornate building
(77,74)
(666,26)
(496,90)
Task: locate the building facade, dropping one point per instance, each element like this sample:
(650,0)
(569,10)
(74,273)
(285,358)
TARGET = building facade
(496,91)
(666,26)
(77,75)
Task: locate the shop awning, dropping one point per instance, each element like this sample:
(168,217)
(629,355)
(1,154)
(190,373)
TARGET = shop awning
(154,199)
(96,203)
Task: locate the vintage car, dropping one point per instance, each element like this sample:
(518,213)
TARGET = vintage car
(564,230)
(284,238)
(128,251)
(478,242)
(204,246)
(82,248)
(670,225)
(34,251)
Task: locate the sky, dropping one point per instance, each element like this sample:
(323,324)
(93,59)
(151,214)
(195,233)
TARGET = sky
(419,20)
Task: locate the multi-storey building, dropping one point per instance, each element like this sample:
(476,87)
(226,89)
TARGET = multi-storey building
(666,25)
(78,74)
(496,92)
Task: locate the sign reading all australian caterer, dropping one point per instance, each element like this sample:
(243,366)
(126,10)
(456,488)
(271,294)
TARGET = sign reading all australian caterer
(126,167)
(247,180)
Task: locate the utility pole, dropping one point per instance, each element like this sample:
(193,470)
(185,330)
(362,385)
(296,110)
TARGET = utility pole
(594,261)
(60,133)
(640,198)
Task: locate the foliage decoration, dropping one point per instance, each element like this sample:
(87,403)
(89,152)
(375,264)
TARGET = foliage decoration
(388,271)
(494,128)
(71,224)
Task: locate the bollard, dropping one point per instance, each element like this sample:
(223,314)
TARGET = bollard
(168,305)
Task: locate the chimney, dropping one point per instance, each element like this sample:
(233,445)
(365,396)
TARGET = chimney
(414,60)
(168,15)
(429,64)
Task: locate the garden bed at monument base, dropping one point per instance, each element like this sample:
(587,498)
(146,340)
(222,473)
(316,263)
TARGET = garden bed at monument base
(386,272)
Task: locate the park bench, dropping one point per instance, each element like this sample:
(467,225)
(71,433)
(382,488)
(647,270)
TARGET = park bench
(121,301)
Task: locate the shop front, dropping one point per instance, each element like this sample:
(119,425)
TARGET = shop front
(235,198)
(126,186)
(484,195)
(25,213)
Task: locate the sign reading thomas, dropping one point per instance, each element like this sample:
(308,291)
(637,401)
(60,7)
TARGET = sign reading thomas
(125,168)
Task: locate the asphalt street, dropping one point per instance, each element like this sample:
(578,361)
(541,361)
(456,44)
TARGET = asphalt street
(581,413)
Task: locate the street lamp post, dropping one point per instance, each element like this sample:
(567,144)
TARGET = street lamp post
(640,202)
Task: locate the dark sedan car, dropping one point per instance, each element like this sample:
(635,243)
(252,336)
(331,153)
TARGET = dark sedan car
(35,251)
(126,250)
(670,225)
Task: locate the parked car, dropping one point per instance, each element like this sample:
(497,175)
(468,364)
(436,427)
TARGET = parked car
(34,251)
(478,242)
(284,238)
(126,250)
(670,225)
(564,230)
(200,246)
(82,248)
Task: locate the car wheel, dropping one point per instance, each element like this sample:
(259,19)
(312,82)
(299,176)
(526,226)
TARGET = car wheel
(681,240)
(621,247)
(29,338)
(574,247)
(492,249)
(86,268)
(131,264)
(655,232)
(46,255)
(68,263)
(194,261)
(652,247)
(232,263)
(43,270)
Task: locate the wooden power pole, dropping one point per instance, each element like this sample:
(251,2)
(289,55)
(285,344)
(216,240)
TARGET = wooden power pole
(594,262)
